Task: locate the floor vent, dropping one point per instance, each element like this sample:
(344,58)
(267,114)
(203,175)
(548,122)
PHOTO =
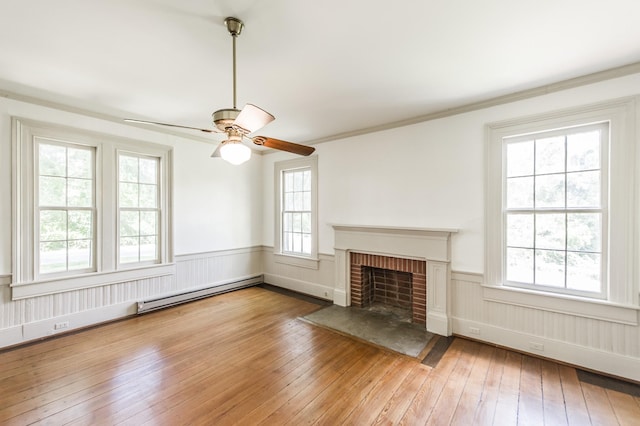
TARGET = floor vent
(176,299)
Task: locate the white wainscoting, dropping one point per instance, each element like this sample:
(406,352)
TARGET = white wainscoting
(36,317)
(605,346)
(318,283)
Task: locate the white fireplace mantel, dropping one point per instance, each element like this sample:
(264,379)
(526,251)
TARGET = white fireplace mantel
(430,244)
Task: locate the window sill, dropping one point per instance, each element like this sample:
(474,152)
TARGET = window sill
(564,304)
(302,262)
(63,284)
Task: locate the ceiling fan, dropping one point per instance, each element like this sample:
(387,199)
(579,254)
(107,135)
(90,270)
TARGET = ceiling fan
(238,124)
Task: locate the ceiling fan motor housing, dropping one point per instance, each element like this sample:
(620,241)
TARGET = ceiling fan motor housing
(223,118)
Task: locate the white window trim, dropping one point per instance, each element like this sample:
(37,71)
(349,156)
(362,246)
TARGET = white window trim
(25,282)
(313,260)
(621,304)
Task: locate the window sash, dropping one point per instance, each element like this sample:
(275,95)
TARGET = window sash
(64,242)
(560,256)
(127,255)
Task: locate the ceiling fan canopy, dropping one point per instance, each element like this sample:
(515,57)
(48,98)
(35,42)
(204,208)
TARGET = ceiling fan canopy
(239,124)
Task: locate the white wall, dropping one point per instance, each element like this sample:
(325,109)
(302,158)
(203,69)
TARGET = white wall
(217,225)
(431,175)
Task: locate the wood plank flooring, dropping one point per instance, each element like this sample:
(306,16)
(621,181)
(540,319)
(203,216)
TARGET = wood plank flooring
(245,358)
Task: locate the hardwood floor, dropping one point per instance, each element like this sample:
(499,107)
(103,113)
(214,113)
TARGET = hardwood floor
(245,358)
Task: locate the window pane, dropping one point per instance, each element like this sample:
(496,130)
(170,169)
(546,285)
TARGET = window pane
(79,192)
(583,189)
(288,222)
(520,265)
(288,181)
(583,271)
(520,230)
(53,191)
(52,160)
(520,159)
(550,191)
(297,201)
(297,181)
(148,171)
(297,222)
(583,151)
(297,243)
(129,249)
(53,257)
(307,180)
(520,193)
(79,163)
(128,195)
(550,267)
(80,254)
(306,243)
(148,196)
(550,155)
(550,231)
(53,225)
(288,201)
(306,222)
(80,225)
(148,223)
(306,201)
(128,169)
(584,232)
(129,223)
(148,248)
(288,241)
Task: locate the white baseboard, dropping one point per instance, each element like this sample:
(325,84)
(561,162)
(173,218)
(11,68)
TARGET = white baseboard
(46,328)
(606,362)
(306,287)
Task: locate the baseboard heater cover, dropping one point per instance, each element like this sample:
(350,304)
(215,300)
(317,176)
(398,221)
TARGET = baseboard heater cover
(176,299)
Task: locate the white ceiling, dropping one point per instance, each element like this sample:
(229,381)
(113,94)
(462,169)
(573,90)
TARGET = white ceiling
(323,68)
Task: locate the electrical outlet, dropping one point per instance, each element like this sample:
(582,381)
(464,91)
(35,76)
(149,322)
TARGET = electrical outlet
(474,330)
(61,325)
(536,346)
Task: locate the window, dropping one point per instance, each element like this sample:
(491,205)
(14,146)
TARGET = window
(88,209)
(66,207)
(139,212)
(296,227)
(555,199)
(559,215)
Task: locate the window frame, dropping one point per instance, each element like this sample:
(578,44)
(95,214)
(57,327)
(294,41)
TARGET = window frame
(26,282)
(38,208)
(158,209)
(311,261)
(602,210)
(620,301)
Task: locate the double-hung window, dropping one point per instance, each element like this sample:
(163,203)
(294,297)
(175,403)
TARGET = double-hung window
(554,209)
(89,209)
(138,208)
(296,222)
(66,208)
(561,220)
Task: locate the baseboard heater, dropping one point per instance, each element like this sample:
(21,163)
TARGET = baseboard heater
(176,299)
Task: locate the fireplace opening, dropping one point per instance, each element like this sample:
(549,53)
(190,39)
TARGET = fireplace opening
(386,290)
(390,284)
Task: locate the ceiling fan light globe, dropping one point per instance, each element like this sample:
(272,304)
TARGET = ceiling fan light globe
(235,153)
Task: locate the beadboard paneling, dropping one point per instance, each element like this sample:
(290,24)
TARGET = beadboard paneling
(36,317)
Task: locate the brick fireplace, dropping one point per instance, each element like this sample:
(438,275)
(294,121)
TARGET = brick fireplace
(389,280)
(423,253)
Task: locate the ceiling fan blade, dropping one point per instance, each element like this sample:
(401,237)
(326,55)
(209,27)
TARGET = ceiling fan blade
(216,152)
(252,118)
(155,123)
(283,145)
